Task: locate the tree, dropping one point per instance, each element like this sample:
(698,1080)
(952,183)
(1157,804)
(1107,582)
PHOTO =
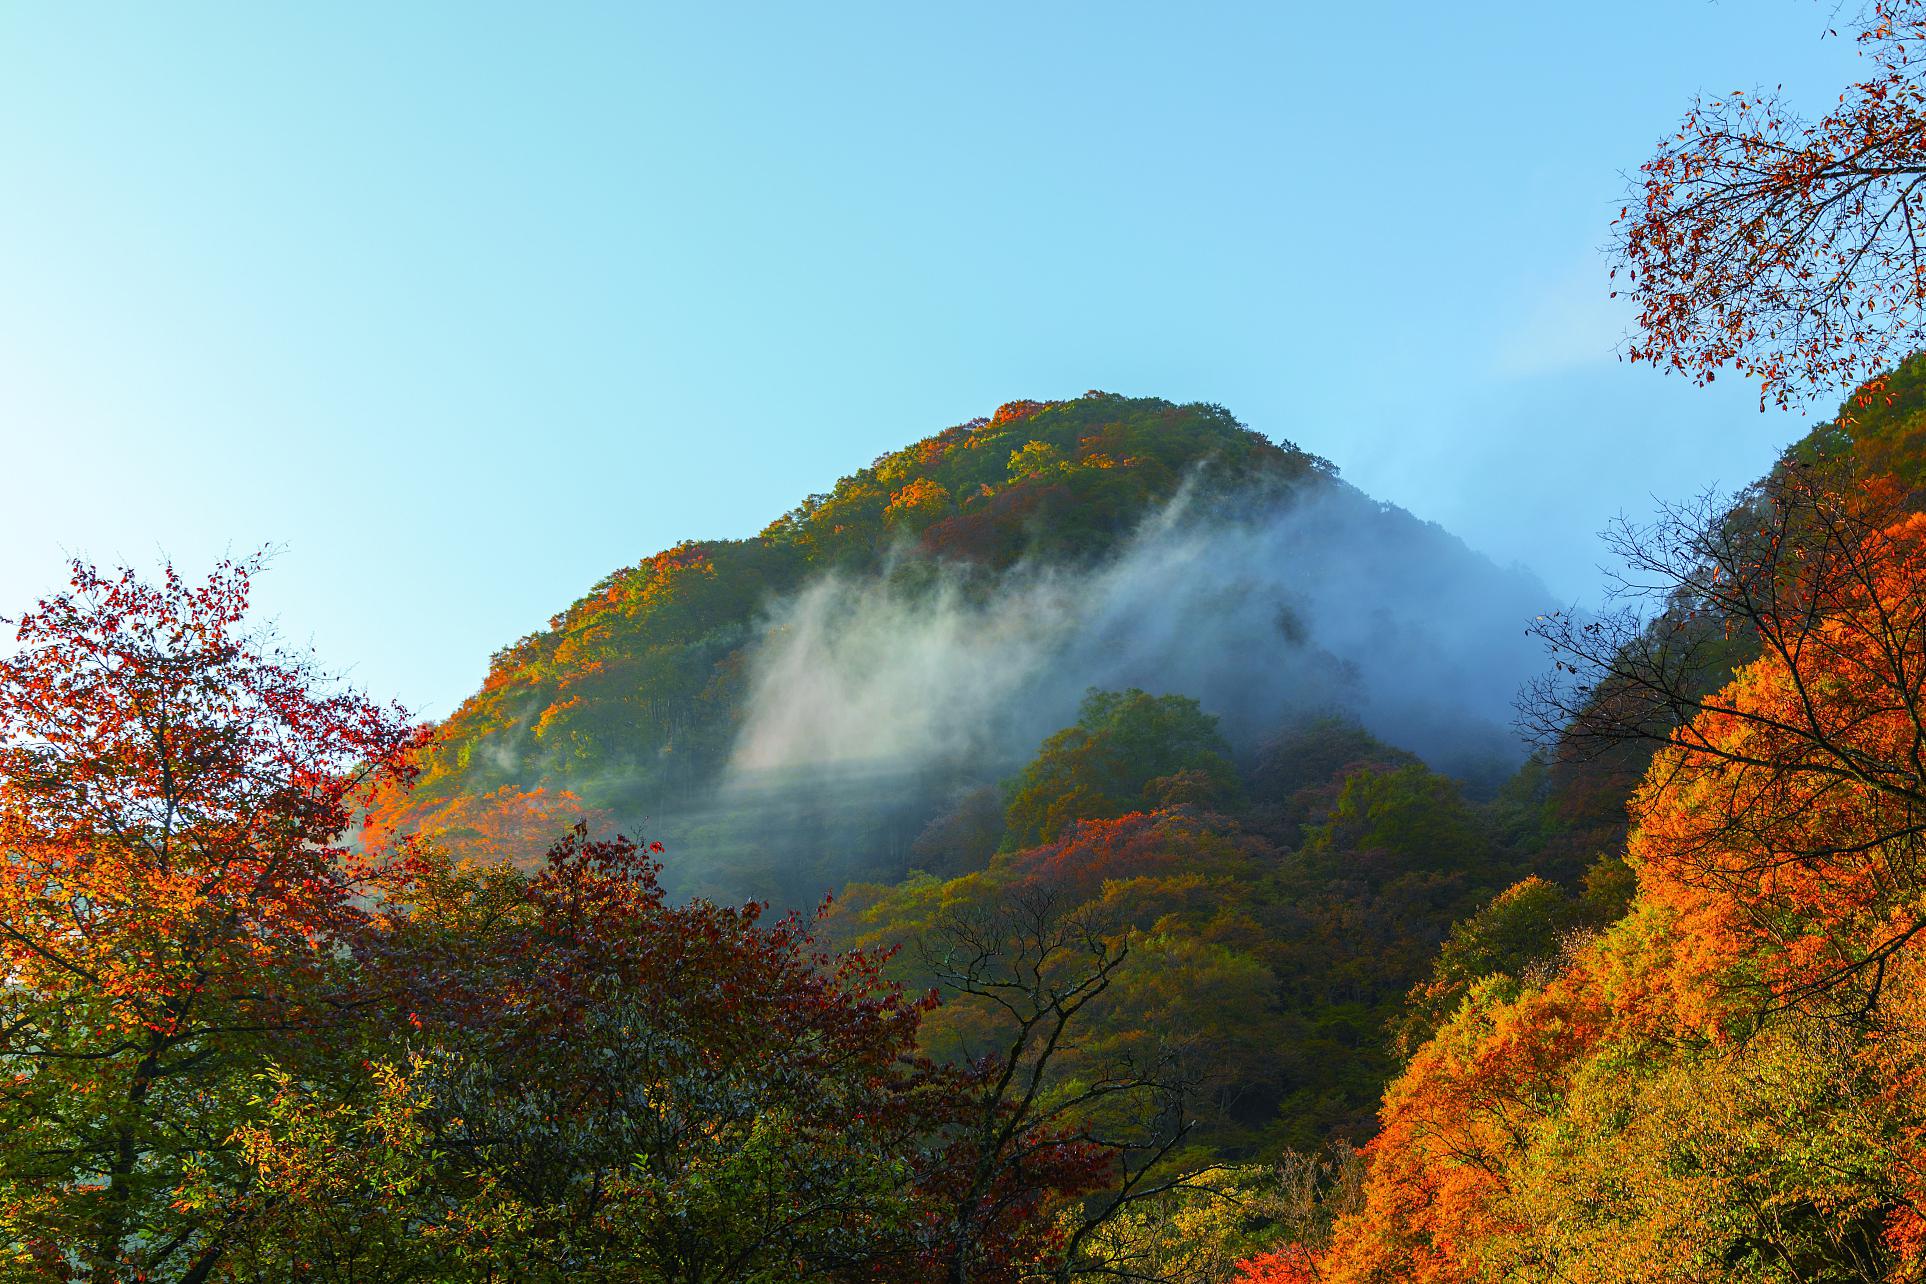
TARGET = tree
(1034,459)
(1220,1228)
(597,1084)
(1033,1139)
(1789,250)
(609,1086)
(1111,762)
(507,824)
(1519,931)
(1725,1082)
(1400,819)
(1801,791)
(175,907)
(917,505)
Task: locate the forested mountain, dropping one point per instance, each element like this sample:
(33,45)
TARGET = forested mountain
(1197,916)
(796,710)
(1167,944)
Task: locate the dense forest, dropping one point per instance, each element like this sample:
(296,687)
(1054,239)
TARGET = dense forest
(1092,843)
(1722,1082)
(302,1008)
(285,1002)
(798,710)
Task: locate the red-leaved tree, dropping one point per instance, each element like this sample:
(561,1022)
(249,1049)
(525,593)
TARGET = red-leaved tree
(174,904)
(1784,248)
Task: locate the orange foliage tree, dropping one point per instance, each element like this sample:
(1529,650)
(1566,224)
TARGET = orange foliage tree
(917,504)
(1726,1080)
(1796,795)
(173,903)
(1788,249)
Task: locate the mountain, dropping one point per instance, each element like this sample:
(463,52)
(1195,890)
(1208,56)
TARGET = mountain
(793,711)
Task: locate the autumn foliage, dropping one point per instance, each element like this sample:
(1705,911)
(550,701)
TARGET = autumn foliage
(631,697)
(506,824)
(174,903)
(1725,1082)
(1784,248)
(240,1047)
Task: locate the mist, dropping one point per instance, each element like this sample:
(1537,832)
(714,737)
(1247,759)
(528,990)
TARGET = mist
(1323,601)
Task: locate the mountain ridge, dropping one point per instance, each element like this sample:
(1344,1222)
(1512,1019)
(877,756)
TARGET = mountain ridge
(632,703)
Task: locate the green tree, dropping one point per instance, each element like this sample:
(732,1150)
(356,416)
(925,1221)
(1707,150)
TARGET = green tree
(1521,929)
(1123,744)
(1404,819)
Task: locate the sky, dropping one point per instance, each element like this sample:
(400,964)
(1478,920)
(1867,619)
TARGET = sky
(460,307)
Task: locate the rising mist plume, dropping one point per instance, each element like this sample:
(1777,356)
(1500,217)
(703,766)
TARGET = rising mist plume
(1327,601)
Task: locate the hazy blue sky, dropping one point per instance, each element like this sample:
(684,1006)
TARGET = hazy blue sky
(466,305)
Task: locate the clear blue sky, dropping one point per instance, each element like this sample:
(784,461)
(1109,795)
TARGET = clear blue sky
(466,304)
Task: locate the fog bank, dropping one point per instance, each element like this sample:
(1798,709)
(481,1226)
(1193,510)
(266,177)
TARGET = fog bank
(1326,600)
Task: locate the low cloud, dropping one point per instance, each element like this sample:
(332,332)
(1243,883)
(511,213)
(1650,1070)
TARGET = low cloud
(1324,601)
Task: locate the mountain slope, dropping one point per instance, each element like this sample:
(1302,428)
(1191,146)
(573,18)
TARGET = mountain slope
(790,711)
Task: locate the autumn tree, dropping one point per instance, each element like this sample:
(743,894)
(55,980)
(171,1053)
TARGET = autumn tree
(1128,750)
(1032,1135)
(1804,773)
(598,1084)
(507,824)
(175,908)
(1724,1083)
(1784,248)
(1520,931)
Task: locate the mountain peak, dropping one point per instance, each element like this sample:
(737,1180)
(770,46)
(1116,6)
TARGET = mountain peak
(918,627)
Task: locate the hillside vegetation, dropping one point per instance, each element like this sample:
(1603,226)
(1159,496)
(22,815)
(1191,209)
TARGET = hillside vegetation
(660,699)
(1724,1082)
(1205,983)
